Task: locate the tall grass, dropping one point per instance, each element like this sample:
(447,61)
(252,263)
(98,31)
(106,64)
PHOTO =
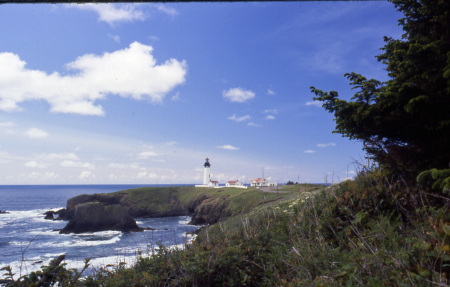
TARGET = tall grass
(371,231)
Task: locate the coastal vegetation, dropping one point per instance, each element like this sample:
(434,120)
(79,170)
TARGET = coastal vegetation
(389,226)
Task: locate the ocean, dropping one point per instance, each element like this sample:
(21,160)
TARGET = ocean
(27,240)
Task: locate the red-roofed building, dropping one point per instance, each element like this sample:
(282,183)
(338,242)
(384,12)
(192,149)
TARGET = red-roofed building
(261,182)
(235,183)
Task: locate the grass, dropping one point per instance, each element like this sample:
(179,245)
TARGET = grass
(163,199)
(366,232)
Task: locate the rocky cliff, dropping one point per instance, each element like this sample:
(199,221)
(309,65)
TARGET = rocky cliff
(98,216)
(116,211)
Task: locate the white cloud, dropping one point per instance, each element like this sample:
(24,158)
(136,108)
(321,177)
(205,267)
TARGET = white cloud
(270,92)
(36,133)
(6,124)
(147,154)
(239,119)
(51,175)
(131,72)
(70,163)
(252,124)
(238,95)
(116,38)
(175,97)
(58,156)
(34,164)
(112,13)
(314,103)
(171,143)
(271,111)
(309,151)
(270,117)
(228,147)
(153,38)
(166,10)
(124,165)
(326,145)
(86,174)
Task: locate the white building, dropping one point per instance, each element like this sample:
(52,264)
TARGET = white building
(207,182)
(261,182)
(235,183)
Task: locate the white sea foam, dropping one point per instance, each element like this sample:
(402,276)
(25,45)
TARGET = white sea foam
(34,214)
(19,243)
(184,220)
(101,233)
(81,242)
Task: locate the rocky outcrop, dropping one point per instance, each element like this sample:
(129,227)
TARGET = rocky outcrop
(210,211)
(60,214)
(115,211)
(98,216)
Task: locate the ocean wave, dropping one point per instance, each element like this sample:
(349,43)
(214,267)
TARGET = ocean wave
(74,242)
(100,233)
(19,243)
(184,220)
(37,214)
(44,232)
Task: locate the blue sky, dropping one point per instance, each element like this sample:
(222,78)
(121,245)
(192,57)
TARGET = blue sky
(143,93)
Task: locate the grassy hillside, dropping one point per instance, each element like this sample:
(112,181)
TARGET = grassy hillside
(239,201)
(366,232)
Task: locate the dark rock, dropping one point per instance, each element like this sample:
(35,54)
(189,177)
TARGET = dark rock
(96,216)
(210,211)
(197,231)
(49,215)
(148,228)
(3,212)
(61,214)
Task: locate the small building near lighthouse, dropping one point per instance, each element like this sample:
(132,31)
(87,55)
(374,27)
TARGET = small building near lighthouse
(236,184)
(207,182)
(260,182)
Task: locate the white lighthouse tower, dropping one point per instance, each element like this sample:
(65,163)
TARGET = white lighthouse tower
(207,182)
(206,173)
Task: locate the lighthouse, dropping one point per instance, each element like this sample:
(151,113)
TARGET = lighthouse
(206,173)
(207,182)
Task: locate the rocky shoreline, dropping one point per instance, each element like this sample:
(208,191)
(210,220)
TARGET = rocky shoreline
(115,211)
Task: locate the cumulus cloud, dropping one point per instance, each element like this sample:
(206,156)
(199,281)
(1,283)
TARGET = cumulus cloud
(171,143)
(116,38)
(314,104)
(147,154)
(239,119)
(309,151)
(252,124)
(124,165)
(228,147)
(86,174)
(238,95)
(34,164)
(270,117)
(326,144)
(6,124)
(166,9)
(270,92)
(58,156)
(70,163)
(112,13)
(175,97)
(131,72)
(270,111)
(36,133)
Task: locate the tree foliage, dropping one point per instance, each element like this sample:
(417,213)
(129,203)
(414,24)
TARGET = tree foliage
(404,123)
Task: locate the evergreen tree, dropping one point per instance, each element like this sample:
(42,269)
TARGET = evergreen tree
(404,123)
